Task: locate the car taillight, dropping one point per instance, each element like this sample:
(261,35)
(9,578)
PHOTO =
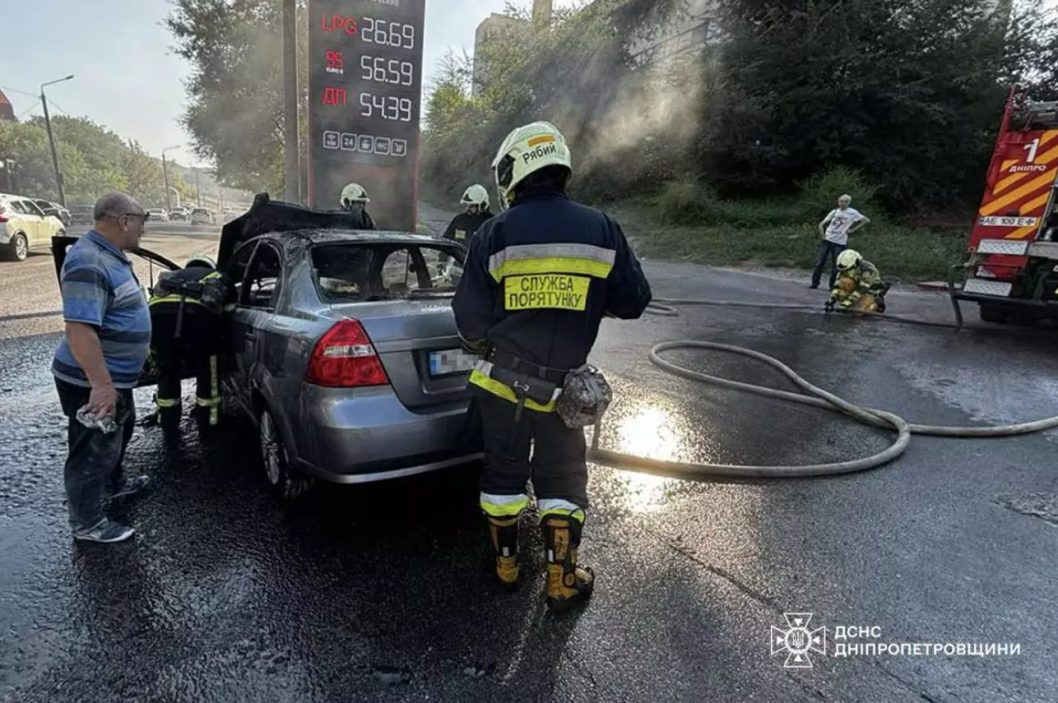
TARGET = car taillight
(345,358)
(3,217)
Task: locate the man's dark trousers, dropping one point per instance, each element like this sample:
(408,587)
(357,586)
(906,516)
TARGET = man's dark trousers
(557,466)
(827,250)
(93,467)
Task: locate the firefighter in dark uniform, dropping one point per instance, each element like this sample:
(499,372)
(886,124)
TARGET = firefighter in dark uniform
(187,310)
(475,202)
(464,226)
(354,200)
(538,279)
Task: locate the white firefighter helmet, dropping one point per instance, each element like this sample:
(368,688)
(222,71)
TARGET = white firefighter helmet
(352,194)
(202,261)
(527,150)
(849,259)
(476,195)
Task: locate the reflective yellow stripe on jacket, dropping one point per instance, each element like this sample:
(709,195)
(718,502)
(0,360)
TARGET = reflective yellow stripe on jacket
(175,299)
(481,377)
(524,259)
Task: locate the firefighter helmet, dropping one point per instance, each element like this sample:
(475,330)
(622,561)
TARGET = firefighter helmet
(476,195)
(353,194)
(202,261)
(527,150)
(848,259)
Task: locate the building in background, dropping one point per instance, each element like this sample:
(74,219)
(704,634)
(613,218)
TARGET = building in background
(7,110)
(683,35)
(494,28)
(697,26)
(497,28)
(686,32)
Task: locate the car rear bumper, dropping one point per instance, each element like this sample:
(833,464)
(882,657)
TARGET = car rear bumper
(366,435)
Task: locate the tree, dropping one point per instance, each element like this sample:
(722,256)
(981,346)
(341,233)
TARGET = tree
(27,145)
(907,91)
(94,160)
(235,93)
(576,73)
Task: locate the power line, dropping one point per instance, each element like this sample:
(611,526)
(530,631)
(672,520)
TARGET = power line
(31,108)
(16,90)
(60,108)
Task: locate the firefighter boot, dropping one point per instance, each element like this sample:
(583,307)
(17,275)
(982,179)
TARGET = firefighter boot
(504,534)
(567,583)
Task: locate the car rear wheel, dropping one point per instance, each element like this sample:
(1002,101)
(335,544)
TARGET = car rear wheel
(19,247)
(287,483)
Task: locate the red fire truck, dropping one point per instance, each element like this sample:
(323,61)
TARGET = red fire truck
(1012,269)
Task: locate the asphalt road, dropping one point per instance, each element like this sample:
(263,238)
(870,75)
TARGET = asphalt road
(382,593)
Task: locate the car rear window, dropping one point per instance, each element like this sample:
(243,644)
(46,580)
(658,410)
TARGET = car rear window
(385,271)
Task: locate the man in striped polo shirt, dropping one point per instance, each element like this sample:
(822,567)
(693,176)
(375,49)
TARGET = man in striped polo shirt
(108,331)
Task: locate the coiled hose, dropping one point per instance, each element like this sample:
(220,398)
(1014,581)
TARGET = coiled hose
(812,396)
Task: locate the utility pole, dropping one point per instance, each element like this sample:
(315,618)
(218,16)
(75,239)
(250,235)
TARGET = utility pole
(51,138)
(165,174)
(291,159)
(198,190)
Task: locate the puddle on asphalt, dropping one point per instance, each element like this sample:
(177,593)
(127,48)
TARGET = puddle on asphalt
(653,429)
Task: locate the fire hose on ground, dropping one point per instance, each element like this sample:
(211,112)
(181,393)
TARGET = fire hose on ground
(812,395)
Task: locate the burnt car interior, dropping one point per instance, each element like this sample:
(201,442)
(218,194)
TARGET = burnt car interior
(343,271)
(350,272)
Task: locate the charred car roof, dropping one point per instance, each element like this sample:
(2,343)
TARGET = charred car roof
(275,219)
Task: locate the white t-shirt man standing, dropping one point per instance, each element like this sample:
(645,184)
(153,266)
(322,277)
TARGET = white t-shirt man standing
(842,221)
(835,230)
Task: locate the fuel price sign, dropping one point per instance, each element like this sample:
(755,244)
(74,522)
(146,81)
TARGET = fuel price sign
(365,86)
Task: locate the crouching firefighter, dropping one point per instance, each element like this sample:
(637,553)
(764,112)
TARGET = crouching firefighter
(859,285)
(538,279)
(187,310)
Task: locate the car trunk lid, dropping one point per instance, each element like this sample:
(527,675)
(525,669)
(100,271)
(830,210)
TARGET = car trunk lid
(418,347)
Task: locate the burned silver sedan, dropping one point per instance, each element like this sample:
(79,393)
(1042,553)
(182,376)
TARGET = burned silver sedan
(343,348)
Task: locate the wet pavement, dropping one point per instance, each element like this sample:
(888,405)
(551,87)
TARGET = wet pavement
(382,592)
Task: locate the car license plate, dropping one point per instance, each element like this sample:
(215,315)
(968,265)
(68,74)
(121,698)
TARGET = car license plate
(451,361)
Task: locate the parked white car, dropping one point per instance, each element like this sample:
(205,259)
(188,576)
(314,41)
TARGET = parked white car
(24,226)
(158,214)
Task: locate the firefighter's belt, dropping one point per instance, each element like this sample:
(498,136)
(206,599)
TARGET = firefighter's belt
(511,363)
(525,386)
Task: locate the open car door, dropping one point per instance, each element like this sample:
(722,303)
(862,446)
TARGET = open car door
(155,264)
